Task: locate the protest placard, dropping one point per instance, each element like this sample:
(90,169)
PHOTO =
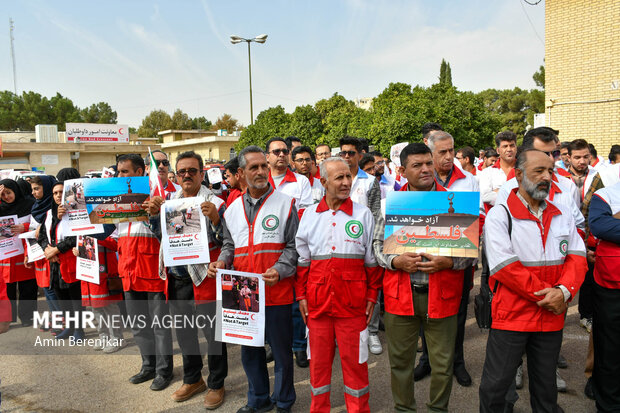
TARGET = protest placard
(87,265)
(439,223)
(184,234)
(240,308)
(114,200)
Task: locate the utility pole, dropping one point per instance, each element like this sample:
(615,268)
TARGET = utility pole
(11,28)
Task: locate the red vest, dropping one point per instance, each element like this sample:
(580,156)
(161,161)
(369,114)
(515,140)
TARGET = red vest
(138,262)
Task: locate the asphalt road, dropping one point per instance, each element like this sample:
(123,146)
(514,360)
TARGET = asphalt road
(96,382)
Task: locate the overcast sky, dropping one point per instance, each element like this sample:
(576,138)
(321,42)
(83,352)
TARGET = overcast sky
(145,55)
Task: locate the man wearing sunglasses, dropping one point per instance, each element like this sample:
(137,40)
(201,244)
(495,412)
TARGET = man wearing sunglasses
(163,168)
(283,179)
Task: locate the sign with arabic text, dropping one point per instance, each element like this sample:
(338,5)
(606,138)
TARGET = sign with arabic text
(97,132)
(114,200)
(440,223)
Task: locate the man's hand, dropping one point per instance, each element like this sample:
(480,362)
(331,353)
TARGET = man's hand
(553,301)
(50,252)
(61,211)
(75,251)
(17,229)
(435,263)
(303,309)
(213,267)
(271,277)
(154,205)
(591,256)
(370,307)
(209,211)
(407,262)
(26,263)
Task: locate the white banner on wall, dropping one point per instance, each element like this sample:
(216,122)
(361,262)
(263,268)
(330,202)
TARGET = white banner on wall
(97,132)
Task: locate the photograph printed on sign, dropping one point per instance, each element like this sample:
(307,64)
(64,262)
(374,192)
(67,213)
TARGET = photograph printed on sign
(240,293)
(184,220)
(5,227)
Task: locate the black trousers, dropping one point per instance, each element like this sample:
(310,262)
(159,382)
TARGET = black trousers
(70,299)
(26,304)
(181,300)
(606,338)
(153,339)
(461,318)
(585,306)
(503,355)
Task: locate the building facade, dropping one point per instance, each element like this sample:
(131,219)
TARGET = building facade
(213,146)
(582,70)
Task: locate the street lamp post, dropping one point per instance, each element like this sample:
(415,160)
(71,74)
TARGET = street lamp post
(258,39)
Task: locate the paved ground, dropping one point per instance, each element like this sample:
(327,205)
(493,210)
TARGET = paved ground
(95,382)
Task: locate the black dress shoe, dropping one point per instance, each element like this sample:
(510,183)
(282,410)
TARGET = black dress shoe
(462,376)
(283,410)
(588,391)
(301,358)
(268,353)
(421,371)
(160,382)
(562,363)
(247,409)
(509,408)
(141,377)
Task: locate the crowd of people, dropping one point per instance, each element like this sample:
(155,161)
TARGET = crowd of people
(312,223)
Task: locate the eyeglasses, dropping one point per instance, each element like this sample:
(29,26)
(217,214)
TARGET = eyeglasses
(277,152)
(164,162)
(553,154)
(303,160)
(343,154)
(190,171)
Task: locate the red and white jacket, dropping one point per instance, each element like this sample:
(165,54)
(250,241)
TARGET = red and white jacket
(490,179)
(336,271)
(317,189)
(533,256)
(259,244)
(462,181)
(13,269)
(607,264)
(138,257)
(297,187)
(559,194)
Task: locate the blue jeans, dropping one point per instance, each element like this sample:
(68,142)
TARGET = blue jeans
(279,333)
(299,330)
(52,300)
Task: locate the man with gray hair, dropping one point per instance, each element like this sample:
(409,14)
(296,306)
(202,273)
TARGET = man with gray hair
(452,178)
(334,242)
(538,262)
(259,237)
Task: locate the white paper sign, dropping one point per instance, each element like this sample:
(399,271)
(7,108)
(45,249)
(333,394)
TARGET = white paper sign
(107,172)
(87,265)
(240,308)
(49,159)
(10,245)
(184,232)
(33,249)
(76,220)
(215,175)
(395,151)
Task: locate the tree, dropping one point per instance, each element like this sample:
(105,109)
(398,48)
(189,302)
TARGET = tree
(180,120)
(63,111)
(539,77)
(98,113)
(201,123)
(306,124)
(227,122)
(339,117)
(269,123)
(445,73)
(154,122)
(515,107)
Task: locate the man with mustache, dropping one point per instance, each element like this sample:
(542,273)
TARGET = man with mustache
(538,262)
(259,236)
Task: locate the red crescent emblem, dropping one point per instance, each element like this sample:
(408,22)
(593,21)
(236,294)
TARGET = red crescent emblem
(120,131)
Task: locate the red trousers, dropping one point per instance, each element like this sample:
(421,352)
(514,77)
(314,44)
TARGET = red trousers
(346,331)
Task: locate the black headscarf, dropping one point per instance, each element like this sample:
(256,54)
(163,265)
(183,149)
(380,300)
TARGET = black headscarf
(67,173)
(26,189)
(21,206)
(41,206)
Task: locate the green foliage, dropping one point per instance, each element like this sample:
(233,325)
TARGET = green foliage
(98,113)
(515,107)
(201,123)
(445,73)
(539,77)
(269,123)
(30,109)
(180,120)
(339,117)
(154,122)
(306,124)
(226,121)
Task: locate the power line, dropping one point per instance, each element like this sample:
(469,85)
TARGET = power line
(182,101)
(529,20)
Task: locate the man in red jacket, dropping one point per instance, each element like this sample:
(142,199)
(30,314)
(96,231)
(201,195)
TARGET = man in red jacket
(537,263)
(420,289)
